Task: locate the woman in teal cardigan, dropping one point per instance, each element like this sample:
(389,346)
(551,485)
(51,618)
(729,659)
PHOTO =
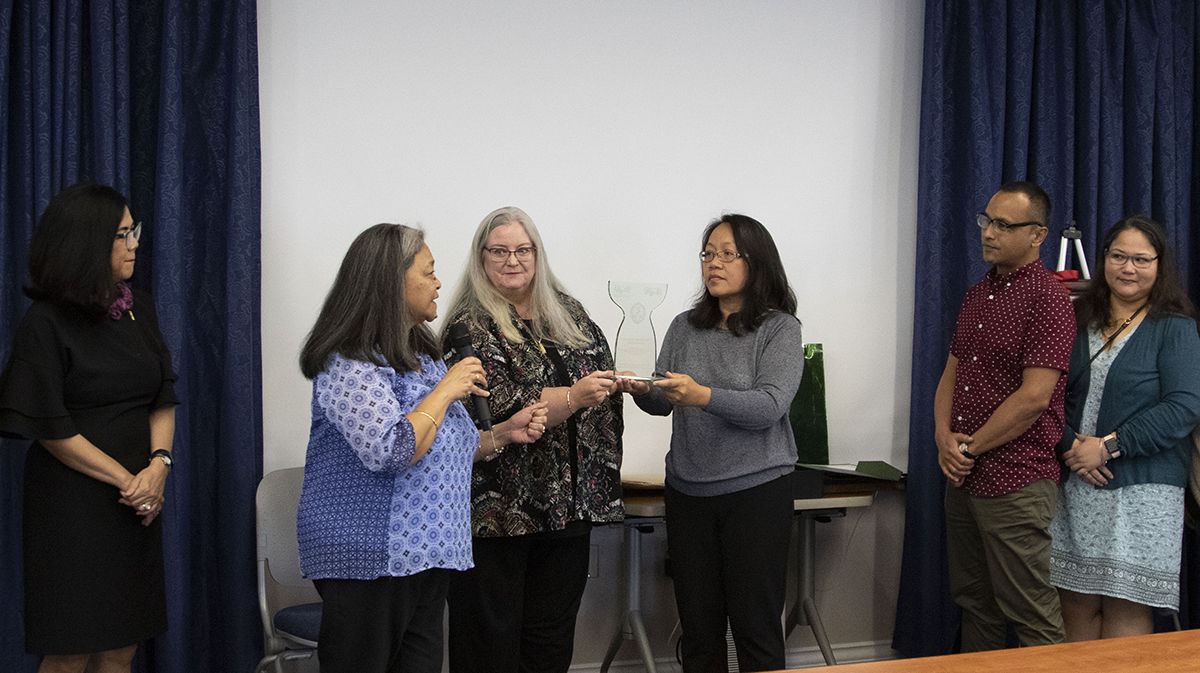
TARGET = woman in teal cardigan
(1133,398)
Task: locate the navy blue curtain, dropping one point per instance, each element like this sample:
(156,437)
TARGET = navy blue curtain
(158,98)
(1097,102)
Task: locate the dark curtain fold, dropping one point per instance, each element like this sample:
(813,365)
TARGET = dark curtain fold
(160,100)
(1097,103)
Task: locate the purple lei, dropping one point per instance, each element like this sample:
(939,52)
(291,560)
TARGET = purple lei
(122,303)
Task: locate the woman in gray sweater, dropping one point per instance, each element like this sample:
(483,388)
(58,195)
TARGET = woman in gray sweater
(732,364)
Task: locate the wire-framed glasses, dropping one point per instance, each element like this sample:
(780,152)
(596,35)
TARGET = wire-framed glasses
(983,221)
(500,254)
(725,256)
(130,236)
(1139,261)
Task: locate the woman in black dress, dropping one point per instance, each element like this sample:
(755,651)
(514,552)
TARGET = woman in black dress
(90,379)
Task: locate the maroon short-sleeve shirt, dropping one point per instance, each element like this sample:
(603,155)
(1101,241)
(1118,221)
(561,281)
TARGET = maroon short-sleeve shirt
(1008,324)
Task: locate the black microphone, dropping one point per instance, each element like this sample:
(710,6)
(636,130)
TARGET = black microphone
(460,341)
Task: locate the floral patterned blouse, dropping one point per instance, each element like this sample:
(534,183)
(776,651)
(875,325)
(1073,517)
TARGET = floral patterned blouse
(573,473)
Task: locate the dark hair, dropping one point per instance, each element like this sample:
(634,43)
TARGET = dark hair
(1166,296)
(364,316)
(70,255)
(1039,201)
(766,288)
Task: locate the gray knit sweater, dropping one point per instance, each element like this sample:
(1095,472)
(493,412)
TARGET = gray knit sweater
(743,437)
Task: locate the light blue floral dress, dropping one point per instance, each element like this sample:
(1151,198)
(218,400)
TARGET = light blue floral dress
(1123,542)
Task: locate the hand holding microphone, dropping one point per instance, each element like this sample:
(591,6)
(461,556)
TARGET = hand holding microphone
(460,341)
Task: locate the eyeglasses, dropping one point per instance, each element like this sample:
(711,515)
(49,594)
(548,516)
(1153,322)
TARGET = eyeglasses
(984,222)
(725,256)
(523,253)
(130,236)
(1139,262)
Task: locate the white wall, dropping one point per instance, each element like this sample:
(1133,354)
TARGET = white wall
(623,127)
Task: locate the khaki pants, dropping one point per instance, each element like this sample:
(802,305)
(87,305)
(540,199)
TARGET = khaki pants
(999,560)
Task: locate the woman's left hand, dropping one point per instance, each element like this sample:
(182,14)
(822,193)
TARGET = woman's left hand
(1087,453)
(144,493)
(1097,477)
(528,424)
(683,391)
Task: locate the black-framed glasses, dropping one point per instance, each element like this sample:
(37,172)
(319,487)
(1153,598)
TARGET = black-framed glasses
(1139,261)
(983,221)
(130,236)
(499,254)
(725,256)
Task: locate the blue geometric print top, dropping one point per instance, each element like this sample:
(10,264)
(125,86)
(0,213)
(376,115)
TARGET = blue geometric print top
(365,510)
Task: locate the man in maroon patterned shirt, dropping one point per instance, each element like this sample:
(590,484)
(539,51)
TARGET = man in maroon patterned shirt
(998,414)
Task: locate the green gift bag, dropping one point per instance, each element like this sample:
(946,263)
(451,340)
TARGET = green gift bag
(808,409)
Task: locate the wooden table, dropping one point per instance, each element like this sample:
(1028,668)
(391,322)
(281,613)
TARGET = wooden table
(1159,653)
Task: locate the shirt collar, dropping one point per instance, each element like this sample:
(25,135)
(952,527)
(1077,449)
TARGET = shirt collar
(1016,274)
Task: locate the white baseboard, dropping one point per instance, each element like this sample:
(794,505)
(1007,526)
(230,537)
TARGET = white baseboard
(800,657)
(845,653)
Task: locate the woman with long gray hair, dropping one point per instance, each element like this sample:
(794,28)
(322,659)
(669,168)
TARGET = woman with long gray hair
(533,507)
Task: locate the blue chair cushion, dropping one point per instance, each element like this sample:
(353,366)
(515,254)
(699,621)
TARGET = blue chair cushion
(301,621)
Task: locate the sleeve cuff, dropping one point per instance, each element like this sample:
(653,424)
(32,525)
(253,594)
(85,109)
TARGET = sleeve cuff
(16,425)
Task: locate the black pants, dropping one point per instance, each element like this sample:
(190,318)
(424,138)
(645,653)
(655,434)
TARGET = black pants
(515,611)
(385,625)
(729,557)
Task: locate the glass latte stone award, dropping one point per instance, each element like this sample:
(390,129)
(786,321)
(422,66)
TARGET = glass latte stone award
(636,343)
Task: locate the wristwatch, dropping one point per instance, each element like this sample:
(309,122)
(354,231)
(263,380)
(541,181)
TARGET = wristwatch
(163,455)
(1109,442)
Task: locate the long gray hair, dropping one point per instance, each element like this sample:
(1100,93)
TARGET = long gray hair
(549,315)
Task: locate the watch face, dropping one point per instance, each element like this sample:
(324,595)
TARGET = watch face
(1110,445)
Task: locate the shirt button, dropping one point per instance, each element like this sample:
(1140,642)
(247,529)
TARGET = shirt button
(965,388)
(974,358)
(960,418)
(980,326)
(991,296)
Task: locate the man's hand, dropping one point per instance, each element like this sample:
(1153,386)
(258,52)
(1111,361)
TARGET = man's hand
(954,464)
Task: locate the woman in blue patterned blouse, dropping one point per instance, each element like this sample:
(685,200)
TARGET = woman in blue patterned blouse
(384,513)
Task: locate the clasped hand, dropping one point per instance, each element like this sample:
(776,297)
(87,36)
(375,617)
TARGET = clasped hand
(1088,459)
(529,424)
(955,465)
(144,491)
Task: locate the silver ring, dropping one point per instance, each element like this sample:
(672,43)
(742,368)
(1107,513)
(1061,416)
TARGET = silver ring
(145,506)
